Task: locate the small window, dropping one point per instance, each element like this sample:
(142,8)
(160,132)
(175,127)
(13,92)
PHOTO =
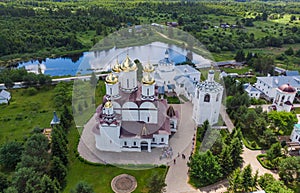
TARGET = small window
(134,143)
(110,89)
(127,83)
(153,139)
(218,96)
(162,139)
(207,98)
(148,119)
(125,143)
(147,91)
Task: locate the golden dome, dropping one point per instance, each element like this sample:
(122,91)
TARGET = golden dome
(128,65)
(148,68)
(147,79)
(117,67)
(111,79)
(108,104)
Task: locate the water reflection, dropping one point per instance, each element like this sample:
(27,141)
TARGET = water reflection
(85,62)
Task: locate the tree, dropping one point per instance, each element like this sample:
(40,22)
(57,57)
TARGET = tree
(82,187)
(268,138)
(293,18)
(8,82)
(35,154)
(264,16)
(283,121)
(156,184)
(4,183)
(265,180)
(58,171)
(66,118)
(24,178)
(289,51)
(297,53)
(59,145)
(10,154)
(93,80)
(278,186)
(11,189)
(247,180)
(240,56)
(264,64)
(49,186)
(226,161)
(236,149)
(274,152)
(235,181)
(289,170)
(205,168)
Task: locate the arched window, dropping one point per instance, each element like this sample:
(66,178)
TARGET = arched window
(282,99)
(207,98)
(197,94)
(110,91)
(127,83)
(218,96)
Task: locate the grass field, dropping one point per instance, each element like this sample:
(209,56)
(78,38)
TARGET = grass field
(100,176)
(25,112)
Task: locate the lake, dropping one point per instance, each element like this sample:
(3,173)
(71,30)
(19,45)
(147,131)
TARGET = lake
(87,62)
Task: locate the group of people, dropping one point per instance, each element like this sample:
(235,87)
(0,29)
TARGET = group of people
(167,152)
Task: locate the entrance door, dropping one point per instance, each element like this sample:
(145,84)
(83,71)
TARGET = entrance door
(144,146)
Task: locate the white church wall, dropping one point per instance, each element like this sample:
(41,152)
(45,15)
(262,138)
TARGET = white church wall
(108,140)
(130,112)
(148,112)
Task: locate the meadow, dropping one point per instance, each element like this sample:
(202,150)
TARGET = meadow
(29,110)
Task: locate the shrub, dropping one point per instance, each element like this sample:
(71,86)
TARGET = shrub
(31,91)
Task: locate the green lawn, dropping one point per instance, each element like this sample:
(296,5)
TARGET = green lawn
(27,112)
(24,113)
(100,176)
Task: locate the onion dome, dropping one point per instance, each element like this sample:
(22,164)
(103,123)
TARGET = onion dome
(108,104)
(171,111)
(117,67)
(148,80)
(144,131)
(111,79)
(128,65)
(148,68)
(287,88)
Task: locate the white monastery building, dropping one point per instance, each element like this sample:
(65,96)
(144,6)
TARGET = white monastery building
(268,84)
(284,98)
(132,117)
(295,136)
(208,99)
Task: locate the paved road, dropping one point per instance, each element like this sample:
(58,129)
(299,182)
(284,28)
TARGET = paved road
(249,157)
(226,118)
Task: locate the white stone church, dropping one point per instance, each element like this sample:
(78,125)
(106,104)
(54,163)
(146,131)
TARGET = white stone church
(134,118)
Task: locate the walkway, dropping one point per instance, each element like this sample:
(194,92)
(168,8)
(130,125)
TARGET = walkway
(249,157)
(179,143)
(226,118)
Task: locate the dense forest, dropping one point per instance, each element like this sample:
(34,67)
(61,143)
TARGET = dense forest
(31,29)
